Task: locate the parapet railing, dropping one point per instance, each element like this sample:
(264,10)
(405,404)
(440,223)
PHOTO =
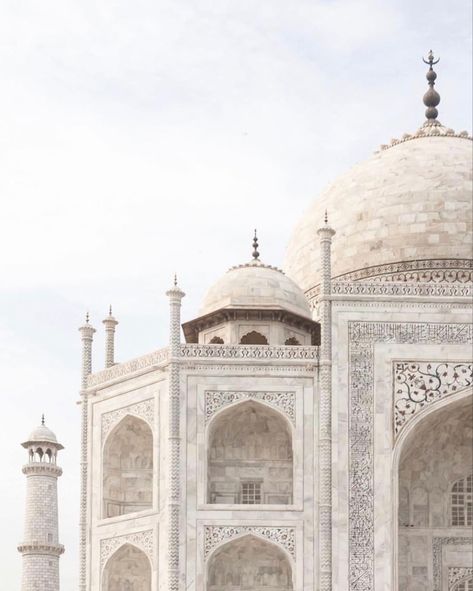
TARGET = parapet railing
(195,351)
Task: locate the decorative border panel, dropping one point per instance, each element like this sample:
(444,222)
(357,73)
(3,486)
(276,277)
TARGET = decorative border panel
(456,574)
(419,383)
(293,352)
(143,540)
(218,399)
(363,336)
(437,545)
(144,410)
(122,370)
(214,535)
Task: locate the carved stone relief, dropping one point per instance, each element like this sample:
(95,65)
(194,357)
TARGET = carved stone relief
(143,540)
(214,535)
(437,545)
(419,383)
(283,401)
(457,574)
(362,339)
(144,410)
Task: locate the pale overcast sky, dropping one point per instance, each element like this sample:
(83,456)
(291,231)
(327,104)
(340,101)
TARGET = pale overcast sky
(147,137)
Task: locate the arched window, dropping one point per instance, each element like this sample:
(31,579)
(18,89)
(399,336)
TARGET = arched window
(461,502)
(250,457)
(129,568)
(216,341)
(128,468)
(465,585)
(291,341)
(253,338)
(249,563)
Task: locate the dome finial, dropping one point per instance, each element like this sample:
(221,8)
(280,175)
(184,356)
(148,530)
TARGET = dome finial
(42,419)
(255,247)
(431,97)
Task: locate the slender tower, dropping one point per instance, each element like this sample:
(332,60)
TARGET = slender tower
(325,419)
(41,548)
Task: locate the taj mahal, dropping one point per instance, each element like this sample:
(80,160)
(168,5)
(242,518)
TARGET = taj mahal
(312,428)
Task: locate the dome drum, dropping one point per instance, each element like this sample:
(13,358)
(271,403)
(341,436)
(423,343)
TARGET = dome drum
(231,326)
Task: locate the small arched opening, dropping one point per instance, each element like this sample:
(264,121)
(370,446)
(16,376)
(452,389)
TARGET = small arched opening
(128,569)
(253,338)
(251,564)
(250,456)
(292,341)
(216,341)
(128,468)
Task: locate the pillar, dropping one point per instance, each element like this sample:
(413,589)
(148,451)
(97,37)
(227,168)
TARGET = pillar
(325,414)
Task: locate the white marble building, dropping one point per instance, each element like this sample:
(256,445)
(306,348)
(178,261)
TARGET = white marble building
(314,430)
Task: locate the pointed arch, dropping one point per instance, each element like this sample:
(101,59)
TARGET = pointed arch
(249,562)
(129,568)
(127,464)
(250,456)
(424,471)
(465,584)
(253,338)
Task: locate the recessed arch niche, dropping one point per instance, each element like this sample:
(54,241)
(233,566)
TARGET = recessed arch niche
(129,569)
(435,454)
(251,564)
(250,456)
(128,468)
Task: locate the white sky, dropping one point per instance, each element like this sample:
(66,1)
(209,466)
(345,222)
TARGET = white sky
(139,138)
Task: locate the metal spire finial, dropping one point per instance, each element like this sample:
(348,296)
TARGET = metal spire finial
(326,217)
(110,310)
(255,247)
(42,419)
(175,279)
(431,97)
(87,317)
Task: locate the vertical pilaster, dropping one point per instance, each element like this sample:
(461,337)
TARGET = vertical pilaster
(110,323)
(174,438)
(87,334)
(325,414)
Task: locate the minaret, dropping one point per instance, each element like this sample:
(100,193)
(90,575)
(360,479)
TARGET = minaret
(326,234)
(110,323)
(87,336)
(175,295)
(41,548)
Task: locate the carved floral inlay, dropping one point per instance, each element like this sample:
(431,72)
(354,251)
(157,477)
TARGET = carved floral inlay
(218,399)
(437,545)
(419,383)
(457,574)
(217,534)
(363,337)
(143,540)
(144,410)
(295,352)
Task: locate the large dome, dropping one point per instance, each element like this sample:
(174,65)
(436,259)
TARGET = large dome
(404,213)
(255,286)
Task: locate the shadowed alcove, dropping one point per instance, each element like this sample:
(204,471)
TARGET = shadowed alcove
(250,456)
(127,570)
(128,468)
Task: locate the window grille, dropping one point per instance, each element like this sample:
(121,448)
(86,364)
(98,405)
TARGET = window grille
(461,502)
(251,493)
(464,586)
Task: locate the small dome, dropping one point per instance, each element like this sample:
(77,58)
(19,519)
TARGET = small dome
(255,286)
(42,433)
(409,204)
